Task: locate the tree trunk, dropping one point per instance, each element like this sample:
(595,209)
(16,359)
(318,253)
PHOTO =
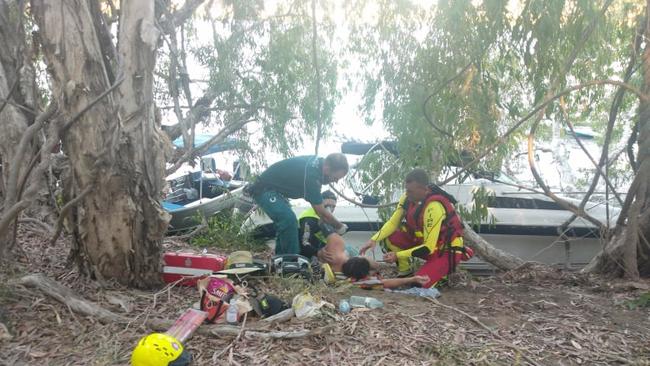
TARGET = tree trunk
(115,147)
(496,257)
(17,88)
(628,251)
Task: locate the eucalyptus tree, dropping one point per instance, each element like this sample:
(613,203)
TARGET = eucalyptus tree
(110,68)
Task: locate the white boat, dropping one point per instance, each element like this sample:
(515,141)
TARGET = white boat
(197,194)
(526,224)
(189,215)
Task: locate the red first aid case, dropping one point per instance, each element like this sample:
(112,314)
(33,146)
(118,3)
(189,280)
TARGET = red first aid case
(179,265)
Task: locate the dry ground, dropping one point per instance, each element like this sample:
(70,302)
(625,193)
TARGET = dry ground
(530,316)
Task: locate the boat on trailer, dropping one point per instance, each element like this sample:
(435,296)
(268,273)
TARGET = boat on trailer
(203,193)
(523,223)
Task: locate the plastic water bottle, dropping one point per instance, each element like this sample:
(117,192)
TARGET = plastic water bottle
(232,315)
(365,302)
(344,306)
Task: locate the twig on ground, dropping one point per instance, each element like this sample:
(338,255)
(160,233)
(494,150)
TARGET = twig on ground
(64,295)
(281,316)
(492,332)
(170,286)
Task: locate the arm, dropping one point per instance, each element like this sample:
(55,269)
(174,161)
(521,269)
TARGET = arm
(434,214)
(313,196)
(399,282)
(326,216)
(393,223)
(389,227)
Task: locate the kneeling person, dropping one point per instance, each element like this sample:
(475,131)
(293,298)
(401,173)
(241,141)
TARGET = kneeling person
(312,235)
(424,225)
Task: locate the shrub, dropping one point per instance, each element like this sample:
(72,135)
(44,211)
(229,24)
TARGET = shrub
(223,232)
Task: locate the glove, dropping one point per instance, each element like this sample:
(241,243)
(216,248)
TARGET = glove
(342,230)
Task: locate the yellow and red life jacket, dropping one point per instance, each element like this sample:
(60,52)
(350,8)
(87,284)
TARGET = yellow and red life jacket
(412,233)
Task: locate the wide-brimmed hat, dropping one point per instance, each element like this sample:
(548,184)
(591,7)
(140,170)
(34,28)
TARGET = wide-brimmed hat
(242,262)
(236,259)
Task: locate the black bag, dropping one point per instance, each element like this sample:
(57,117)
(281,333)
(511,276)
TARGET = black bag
(268,305)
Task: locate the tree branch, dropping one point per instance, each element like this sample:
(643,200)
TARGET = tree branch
(613,115)
(13,88)
(531,136)
(102,28)
(199,111)
(598,166)
(19,155)
(630,146)
(64,212)
(57,132)
(9,215)
(438,90)
(219,137)
(502,139)
(169,23)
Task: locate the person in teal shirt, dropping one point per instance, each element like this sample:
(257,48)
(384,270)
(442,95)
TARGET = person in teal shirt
(299,177)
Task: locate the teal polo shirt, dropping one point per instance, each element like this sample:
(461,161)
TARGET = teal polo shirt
(299,177)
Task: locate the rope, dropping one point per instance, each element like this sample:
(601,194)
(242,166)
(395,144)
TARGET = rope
(357,203)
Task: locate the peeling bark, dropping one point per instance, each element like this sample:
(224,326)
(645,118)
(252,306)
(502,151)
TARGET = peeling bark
(115,147)
(17,89)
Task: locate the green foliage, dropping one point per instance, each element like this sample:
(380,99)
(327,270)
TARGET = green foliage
(478,212)
(259,66)
(643,301)
(475,68)
(223,232)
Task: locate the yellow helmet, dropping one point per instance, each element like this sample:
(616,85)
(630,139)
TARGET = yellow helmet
(158,349)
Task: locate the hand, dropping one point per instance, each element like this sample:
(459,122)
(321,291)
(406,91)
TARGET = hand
(390,257)
(368,245)
(326,256)
(342,230)
(421,280)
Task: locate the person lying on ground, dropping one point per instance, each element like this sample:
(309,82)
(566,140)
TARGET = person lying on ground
(357,268)
(433,231)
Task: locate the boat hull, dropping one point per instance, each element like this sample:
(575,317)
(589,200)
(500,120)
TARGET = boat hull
(190,215)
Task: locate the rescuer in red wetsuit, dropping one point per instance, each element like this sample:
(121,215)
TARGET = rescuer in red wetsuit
(425,225)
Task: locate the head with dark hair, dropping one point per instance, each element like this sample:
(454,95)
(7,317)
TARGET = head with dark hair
(416,183)
(356,268)
(329,200)
(328,195)
(335,167)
